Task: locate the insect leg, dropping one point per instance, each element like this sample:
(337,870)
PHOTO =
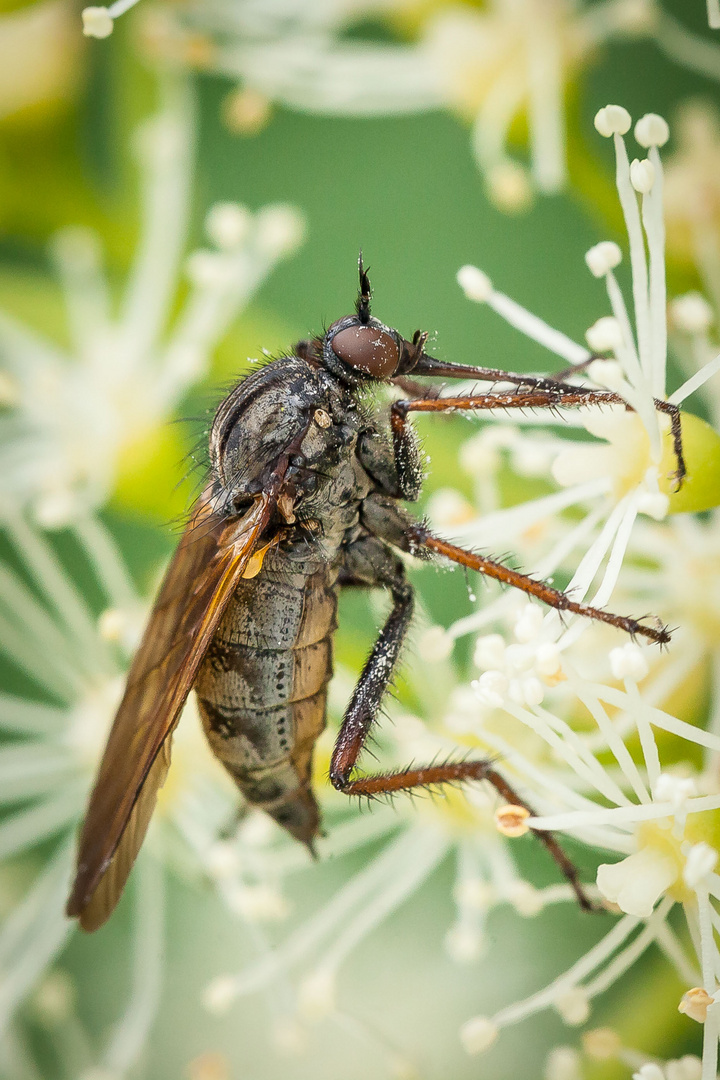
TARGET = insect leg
(449,772)
(428,365)
(408,467)
(556,391)
(369,562)
(423,538)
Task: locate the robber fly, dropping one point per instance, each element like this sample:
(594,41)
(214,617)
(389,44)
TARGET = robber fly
(303,498)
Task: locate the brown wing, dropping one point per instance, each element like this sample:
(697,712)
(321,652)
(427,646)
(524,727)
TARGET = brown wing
(201,578)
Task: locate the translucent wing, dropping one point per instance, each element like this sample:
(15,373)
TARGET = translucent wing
(208,563)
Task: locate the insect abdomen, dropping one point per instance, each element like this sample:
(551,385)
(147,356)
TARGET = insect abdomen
(262,688)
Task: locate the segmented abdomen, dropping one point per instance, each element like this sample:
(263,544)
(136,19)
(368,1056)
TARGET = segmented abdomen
(262,687)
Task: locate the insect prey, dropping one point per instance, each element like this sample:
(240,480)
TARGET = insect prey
(304,498)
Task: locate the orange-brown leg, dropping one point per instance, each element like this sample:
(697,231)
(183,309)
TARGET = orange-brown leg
(453,773)
(419,538)
(369,562)
(554,598)
(535,393)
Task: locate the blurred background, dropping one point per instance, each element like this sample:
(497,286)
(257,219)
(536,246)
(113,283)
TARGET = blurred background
(430,134)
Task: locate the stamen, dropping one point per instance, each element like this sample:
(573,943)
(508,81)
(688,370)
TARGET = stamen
(620,815)
(612,120)
(708,950)
(478,1034)
(654,224)
(613,739)
(34,933)
(625,351)
(603,257)
(563,1063)
(477,286)
(661,719)
(26,828)
(57,587)
(166,146)
(700,861)
(696,381)
(22,716)
(652,130)
(309,935)
(629,205)
(110,569)
(77,253)
(97,22)
(430,847)
(131,1033)
(605,335)
(570,748)
(573,1006)
(570,978)
(694,1003)
(545,102)
(691,312)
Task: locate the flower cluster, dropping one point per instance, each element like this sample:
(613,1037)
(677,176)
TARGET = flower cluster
(490,65)
(590,706)
(70,415)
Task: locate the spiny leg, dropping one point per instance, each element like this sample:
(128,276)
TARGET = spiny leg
(555,388)
(429,776)
(421,537)
(440,369)
(407,461)
(369,562)
(539,589)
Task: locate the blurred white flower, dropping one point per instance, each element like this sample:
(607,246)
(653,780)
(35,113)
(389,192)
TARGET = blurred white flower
(652,816)
(38,55)
(70,414)
(604,1046)
(491,65)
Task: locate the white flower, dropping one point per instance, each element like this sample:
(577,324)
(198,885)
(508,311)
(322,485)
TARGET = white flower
(656,818)
(490,64)
(638,882)
(73,415)
(630,472)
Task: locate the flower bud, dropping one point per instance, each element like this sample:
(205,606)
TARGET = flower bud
(642,175)
(476,285)
(603,257)
(97,22)
(652,130)
(612,120)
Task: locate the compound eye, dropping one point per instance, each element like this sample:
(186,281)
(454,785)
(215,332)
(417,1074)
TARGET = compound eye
(368,348)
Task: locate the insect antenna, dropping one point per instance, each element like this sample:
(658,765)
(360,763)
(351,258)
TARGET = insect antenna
(362,305)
